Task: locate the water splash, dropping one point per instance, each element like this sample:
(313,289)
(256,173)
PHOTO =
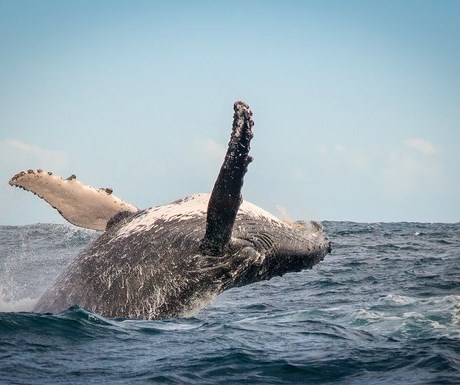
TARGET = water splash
(18,305)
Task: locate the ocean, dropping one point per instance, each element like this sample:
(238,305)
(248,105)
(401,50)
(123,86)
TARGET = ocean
(383,308)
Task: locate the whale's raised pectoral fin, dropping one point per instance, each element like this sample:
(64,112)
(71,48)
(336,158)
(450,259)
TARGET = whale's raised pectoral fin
(81,205)
(226,195)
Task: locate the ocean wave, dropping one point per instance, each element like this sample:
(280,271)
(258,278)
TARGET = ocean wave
(411,317)
(383,308)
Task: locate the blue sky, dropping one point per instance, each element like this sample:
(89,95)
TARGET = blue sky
(356,103)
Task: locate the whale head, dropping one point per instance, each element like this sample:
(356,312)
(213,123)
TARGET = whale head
(264,248)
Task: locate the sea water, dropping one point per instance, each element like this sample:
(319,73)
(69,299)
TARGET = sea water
(383,308)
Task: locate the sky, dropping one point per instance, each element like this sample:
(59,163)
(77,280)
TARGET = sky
(356,103)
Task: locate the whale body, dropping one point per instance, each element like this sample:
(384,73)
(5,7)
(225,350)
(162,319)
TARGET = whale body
(168,261)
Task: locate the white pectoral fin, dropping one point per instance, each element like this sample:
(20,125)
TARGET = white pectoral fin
(81,205)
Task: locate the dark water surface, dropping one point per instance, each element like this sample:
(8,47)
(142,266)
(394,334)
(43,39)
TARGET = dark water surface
(383,308)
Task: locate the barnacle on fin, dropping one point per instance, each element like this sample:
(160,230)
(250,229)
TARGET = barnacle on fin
(107,190)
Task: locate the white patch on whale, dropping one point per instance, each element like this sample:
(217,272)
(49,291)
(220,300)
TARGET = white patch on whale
(194,206)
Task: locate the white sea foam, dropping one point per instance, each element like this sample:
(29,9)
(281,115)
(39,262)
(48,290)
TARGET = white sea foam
(399,299)
(420,315)
(23,304)
(368,315)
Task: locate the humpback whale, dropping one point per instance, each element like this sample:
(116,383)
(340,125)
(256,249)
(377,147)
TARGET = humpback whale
(169,260)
